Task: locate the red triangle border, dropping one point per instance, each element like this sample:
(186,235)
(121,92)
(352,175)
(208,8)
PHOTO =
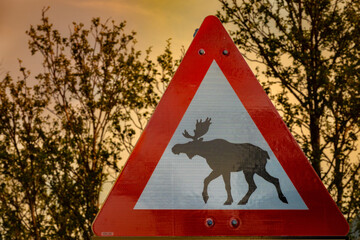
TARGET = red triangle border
(117,216)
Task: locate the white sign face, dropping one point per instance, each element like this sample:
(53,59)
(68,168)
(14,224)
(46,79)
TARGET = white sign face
(233,139)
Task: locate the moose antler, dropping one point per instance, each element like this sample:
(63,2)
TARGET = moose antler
(201,128)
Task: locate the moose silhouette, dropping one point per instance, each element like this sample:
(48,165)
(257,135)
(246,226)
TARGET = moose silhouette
(224,157)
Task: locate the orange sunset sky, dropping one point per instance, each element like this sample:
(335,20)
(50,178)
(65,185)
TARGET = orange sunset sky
(155,21)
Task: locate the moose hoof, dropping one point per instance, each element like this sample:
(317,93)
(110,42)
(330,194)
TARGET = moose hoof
(242,202)
(205,198)
(283,199)
(228,202)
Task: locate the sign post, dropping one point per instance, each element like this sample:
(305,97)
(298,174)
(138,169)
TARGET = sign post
(217,160)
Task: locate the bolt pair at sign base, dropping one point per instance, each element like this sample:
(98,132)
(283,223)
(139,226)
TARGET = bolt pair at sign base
(233,222)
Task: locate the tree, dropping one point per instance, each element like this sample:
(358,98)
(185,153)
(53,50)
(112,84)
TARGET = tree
(26,151)
(310,55)
(64,137)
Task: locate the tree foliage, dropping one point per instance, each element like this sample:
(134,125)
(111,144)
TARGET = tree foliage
(26,151)
(310,55)
(63,132)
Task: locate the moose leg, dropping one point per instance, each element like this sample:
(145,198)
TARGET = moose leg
(263,173)
(207,180)
(226,177)
(249,177)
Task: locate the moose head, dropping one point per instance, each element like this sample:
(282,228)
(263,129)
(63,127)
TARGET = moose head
(191,148)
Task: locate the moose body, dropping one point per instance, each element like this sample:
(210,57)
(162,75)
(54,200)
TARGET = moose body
(224,157)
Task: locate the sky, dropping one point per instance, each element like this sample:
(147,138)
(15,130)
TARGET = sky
(155,21)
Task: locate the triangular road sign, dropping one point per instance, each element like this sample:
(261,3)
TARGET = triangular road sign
(239,173)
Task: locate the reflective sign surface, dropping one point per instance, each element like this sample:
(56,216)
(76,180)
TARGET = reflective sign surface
(231,154)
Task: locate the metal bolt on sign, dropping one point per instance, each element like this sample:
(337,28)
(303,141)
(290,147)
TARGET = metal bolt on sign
(209,222)
(234,222)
